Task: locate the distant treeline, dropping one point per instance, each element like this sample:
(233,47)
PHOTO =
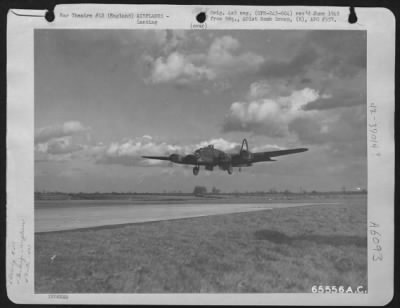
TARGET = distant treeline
(198,190)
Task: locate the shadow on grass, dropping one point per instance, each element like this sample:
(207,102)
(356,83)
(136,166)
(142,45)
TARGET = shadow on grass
(334,240)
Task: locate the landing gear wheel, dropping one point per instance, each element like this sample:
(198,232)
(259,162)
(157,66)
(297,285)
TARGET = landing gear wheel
(240,169)
(196,170)
(230,170)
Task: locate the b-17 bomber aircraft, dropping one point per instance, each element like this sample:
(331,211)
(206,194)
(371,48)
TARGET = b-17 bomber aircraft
(209,157)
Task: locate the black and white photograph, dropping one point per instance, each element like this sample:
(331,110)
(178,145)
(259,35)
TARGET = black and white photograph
(186,161)
(201,161)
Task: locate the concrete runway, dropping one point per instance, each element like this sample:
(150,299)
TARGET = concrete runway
(58,218)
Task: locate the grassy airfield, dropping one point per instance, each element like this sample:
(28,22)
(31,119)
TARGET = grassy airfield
(279,250)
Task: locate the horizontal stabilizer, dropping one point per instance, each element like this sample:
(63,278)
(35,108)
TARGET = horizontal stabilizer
(266,156)
(285,152)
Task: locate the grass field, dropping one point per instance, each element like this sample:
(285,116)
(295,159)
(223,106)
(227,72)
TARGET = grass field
(282,250)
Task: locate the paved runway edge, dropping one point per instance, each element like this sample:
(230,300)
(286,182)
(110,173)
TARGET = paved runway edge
(64,225)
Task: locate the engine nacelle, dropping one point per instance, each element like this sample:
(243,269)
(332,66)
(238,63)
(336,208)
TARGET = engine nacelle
(176,158)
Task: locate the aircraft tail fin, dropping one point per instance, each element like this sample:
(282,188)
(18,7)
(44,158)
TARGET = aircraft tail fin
(244,142)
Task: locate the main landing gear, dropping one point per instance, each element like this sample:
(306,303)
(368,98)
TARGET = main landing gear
(196,170)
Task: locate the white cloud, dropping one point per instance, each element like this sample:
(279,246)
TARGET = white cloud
(178,67)
(57,150)
(130,152)
(218,61)
(259,89)
(221,56)
(70,128)
(173,39)
(275,111)
(127,152)
(62,146)
(58,143)
(268,116)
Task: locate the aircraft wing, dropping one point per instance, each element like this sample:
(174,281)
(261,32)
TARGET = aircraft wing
(157,157)
(178,159)
(266,156)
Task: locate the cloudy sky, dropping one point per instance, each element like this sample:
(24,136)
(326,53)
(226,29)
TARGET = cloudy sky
(103,98)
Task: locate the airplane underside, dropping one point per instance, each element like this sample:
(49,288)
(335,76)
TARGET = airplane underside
(228,168)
